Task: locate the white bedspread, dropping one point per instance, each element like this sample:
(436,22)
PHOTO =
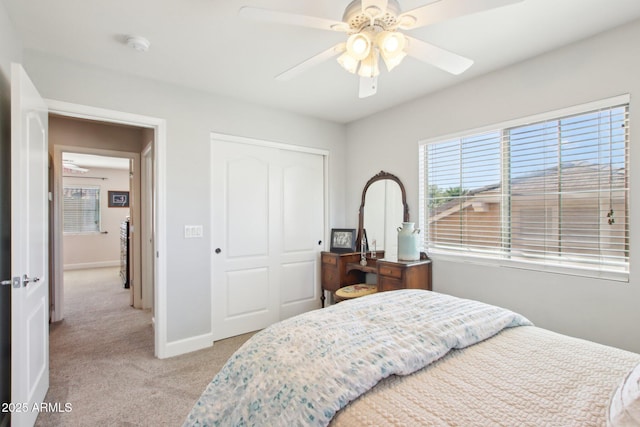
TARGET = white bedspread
(301,371)
(524,377)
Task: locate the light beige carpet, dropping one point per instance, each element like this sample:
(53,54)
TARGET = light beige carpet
(102,363)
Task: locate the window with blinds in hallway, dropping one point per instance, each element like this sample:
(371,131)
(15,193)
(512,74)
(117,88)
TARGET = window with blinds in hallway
(81,206)
(548,193)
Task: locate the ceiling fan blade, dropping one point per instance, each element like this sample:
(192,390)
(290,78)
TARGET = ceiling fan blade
(374,8)
(443,10)
(312,62)
(368,86)
(434,55)
(274,16)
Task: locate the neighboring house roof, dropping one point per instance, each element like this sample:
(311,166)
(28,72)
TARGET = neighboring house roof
(575,177)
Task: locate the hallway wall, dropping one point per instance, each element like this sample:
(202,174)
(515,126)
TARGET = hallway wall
(93,250)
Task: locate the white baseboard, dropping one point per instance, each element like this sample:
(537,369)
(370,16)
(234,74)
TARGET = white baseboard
(176,348)
(86,265)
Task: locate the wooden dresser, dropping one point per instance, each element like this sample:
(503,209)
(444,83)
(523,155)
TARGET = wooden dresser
(394,275)
(343,269)
(333,273)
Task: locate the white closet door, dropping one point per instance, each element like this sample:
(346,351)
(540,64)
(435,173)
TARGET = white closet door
(302,231)
(265,235)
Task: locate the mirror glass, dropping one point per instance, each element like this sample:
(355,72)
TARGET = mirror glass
(383,214)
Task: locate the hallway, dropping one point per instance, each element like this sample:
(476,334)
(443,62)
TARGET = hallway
(92,349)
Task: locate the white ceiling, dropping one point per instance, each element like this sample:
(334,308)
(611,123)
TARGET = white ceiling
(203,44)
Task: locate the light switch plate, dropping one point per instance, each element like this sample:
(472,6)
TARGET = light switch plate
(193,231)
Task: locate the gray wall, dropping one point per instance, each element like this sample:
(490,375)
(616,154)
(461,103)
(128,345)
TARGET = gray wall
(602,67)
(191,116)
(10,51)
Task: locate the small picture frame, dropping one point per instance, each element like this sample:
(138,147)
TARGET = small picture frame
(118,199)
(343,240)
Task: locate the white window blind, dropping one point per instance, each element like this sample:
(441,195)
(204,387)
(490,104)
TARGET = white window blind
(81,205)
(550,193)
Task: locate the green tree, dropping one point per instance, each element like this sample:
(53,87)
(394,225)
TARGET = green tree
(438,197)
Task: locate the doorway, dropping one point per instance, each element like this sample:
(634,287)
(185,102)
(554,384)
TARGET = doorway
(97,213)
(102,159)
(155,131)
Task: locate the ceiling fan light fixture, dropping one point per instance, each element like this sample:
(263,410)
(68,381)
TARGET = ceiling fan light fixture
(392,47)
(369,65)
(393,62)
(391,42)
(348,62)
(358,46)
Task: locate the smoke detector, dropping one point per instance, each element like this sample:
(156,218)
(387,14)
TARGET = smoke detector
(138,43)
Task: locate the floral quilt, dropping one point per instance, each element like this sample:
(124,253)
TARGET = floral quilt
(301,371)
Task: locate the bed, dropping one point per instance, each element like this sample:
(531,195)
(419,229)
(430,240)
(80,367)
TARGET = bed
(415,357)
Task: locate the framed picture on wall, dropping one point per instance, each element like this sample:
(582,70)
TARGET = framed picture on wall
(343,240)
(118,199)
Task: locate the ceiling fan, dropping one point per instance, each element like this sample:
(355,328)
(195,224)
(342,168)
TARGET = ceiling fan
(69,166)
(374,28)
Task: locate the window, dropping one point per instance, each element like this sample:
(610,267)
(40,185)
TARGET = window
(550,193)
(81,205)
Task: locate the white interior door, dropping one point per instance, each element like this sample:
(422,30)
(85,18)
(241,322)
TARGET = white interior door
(302,229)
(147,228)
(29,248)
(268,226)
(244,291)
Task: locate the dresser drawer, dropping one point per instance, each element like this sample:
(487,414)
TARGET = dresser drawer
(390,270)
(329,260)
(389,284)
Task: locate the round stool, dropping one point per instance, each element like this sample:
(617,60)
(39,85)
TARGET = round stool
(355,291)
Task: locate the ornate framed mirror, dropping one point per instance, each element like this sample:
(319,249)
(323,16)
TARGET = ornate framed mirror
(383,209)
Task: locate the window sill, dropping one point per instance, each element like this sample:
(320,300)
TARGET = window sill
(497,261)
(83,233)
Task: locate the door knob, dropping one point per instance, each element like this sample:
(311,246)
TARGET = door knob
(218,250)
(14,281)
